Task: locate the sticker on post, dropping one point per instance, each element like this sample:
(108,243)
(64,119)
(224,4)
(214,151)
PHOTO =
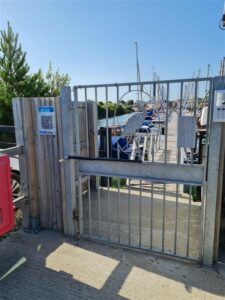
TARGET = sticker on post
(219,106)
(46,120)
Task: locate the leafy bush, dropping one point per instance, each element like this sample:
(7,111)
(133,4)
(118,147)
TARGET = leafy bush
(116,182)
(114,109)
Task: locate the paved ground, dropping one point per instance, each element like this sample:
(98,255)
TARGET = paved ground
(151,230)
(49,266)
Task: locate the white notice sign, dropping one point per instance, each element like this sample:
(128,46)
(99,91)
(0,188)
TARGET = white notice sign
(219,106)
(46,120)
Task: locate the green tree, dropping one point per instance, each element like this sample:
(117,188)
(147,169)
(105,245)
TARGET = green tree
(55,80)
(13,72)
(36,85)
(15,80)
(101,111)
(130,102)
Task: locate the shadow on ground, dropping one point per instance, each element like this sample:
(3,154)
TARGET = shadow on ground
(49,266)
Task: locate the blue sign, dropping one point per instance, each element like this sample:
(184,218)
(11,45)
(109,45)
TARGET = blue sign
(46,120)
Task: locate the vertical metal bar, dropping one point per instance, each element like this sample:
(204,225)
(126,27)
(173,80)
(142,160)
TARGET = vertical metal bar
(181,97)
(129,225)
(177,185)
(107,121)
(98,177)
(176,216)
(87,123)
(180,113)
(165,160)
(96,133)
(80,205)
(196,97)
(140,213)
(152,147)
(109,217)
(117,100)
(163,223)
(99,205)
(209,111)
(189,217)
(118,210)
(88,152)
(77,137)
(89,206)
(77,122)
(107,145)
(167,117)
(189,211)
(151,218)
(118,157)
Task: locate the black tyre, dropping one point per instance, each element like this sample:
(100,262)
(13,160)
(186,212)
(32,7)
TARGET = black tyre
(16,187)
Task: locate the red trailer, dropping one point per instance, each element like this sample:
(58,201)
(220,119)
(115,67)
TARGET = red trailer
(6,202)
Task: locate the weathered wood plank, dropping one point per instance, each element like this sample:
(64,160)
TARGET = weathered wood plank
(18,121)
(31,163)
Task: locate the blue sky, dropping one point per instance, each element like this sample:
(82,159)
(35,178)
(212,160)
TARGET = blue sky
(93,41)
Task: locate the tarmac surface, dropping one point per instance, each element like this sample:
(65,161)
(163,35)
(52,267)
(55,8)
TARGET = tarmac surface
(50,266)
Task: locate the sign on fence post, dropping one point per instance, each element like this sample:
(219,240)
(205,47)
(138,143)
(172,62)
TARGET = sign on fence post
(46,120)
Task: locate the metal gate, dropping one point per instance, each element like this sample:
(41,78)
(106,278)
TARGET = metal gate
(143,186)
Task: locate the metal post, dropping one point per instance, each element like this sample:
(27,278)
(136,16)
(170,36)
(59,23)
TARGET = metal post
(129,225)
(213,188)
(151,217)
(69,167)
(140,214)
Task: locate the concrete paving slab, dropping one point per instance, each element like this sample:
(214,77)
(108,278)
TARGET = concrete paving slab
(50,266)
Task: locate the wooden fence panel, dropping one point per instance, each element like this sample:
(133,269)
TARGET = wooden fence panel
(49,184)
(39,164)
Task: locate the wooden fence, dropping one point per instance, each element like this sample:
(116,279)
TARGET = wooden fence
(46,179)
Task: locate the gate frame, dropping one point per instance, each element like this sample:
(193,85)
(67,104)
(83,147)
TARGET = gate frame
(69,119)
(214,179)
(213,169)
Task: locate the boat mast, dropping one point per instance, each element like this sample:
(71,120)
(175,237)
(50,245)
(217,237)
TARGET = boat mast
(139,93)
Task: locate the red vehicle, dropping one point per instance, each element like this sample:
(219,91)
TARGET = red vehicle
(6,199)
(8,140)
